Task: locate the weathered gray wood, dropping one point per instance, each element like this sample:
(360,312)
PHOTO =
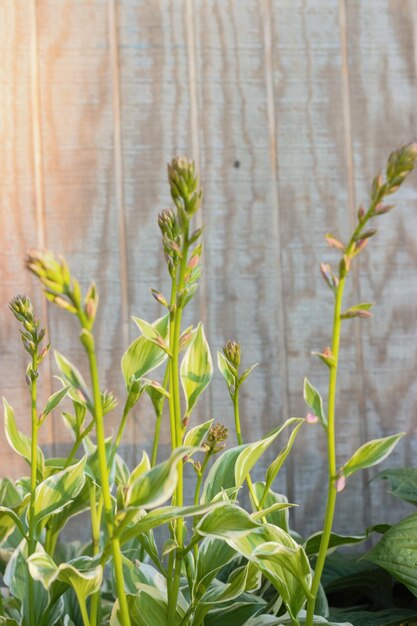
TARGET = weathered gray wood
(242,264)
(290,108)
(313,199)
(81,209)
(382,80)
(155,127)
(17,211)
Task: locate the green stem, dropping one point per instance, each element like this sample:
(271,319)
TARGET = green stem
(95,535)
(176,420)
(198,490)
(33,471)
(77,444)
(105,484)
(240,442)
(83,609)
(200,478)
(331,454)
(157,431)
(331,431)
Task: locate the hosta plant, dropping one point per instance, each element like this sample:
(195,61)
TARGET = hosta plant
(212,561)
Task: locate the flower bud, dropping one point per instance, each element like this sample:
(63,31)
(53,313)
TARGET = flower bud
(232,352)
(22,309)
(400,163)
(216,437)
(184,185)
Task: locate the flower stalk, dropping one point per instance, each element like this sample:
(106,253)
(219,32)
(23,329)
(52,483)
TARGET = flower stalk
(400,164)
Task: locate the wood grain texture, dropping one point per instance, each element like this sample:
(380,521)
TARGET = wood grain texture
(313,199)
(242,265)
(383,91)
(80,201)
(290,107)
(18,229)
(156,126)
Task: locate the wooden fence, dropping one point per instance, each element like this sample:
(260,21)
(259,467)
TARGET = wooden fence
(289,108)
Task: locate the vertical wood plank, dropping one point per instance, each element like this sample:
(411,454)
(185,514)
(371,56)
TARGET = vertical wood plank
(313,199)
(156,113)
(382,69)
(80,197)
(18,225)
(239,210)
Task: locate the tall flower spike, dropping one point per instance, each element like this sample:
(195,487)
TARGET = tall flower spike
(54,274)
(184,184)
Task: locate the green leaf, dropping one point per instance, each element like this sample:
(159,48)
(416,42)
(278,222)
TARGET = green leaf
(54,400)
(156,486)
(270,543)
(232,521)
(241,580)
(223,365)
(402,482)
(387,617)
(8,521)
(20,442)
(237,612)
(358,310)
(396,552)
(278,462)
(83,574)
(246,373)
(196,436)
(16,577)
(313,399)
(292,558)
(11,504)
(196,369)
(278,517)
(232,467)
(213,555)
(371,454)
(312,544)
(149,606)
(143,355)
(149,331)
(57,491)
(75,380)
(160,516)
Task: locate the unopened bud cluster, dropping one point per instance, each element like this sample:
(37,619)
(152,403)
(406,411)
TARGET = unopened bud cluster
(31,333)
(231,351)
(400,163)
(184,185)
(60,287)
(171,237)
(216,437)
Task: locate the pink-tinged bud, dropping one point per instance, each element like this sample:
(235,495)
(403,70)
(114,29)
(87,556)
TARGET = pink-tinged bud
(340,483)
(361,245)
(381,208)
(311,418)
(160,298)
(333,242)
(361,213)
(193,262)
(328,276)
(368,234)
(326,356)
